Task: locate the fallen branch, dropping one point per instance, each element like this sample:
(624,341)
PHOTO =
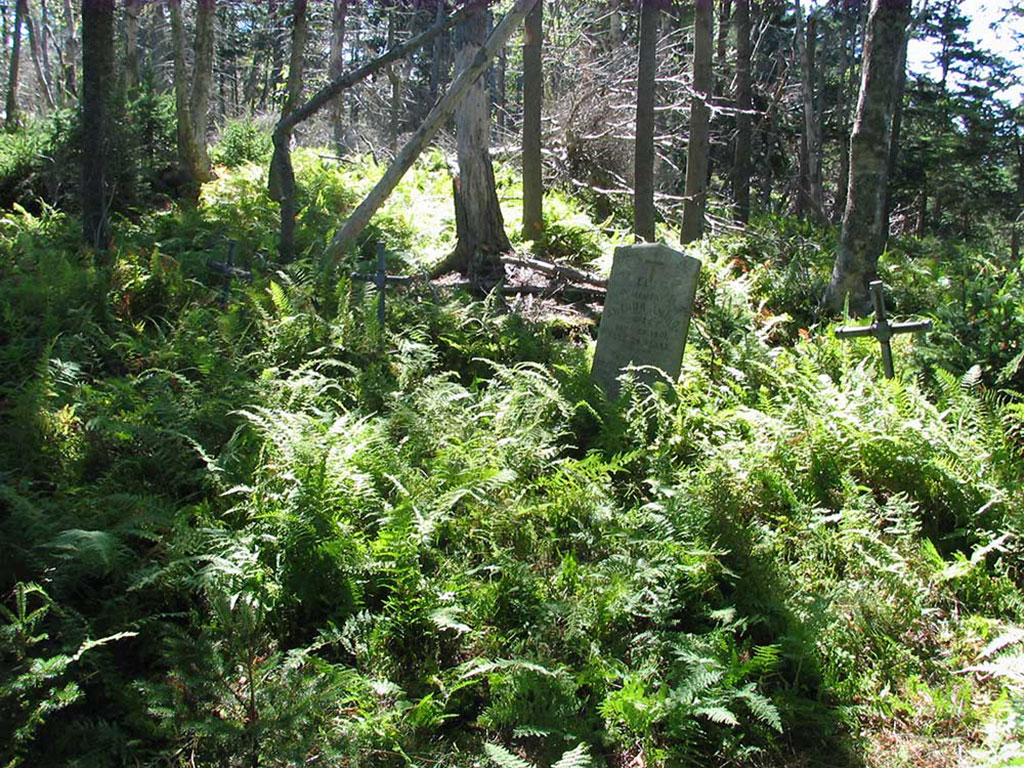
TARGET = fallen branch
(557,270)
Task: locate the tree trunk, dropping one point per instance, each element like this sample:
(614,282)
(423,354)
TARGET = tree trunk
(334,71)
(131,38)
(442,110)
(533,96)
(643,160)
(12,118)
(697,154)
(724,15)
(70,50)
(97,78)
(480,228)
(202,75)
(863,226)
(35,40)
(843,108)
(744,119)
(439,61)
(894,138)
(811,188)
(615,26)
(281,178)
(395,105)
(193,160)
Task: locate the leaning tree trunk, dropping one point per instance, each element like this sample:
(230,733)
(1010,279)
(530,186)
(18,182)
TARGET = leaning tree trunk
(533,95)
(11,118)
(863,227)
(479,226)
(643,159)
(97,79)
(697,154)
(440,113)
(744,105)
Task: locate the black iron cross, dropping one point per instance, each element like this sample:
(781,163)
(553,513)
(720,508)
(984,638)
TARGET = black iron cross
(882,329)
(227,270)
(381,279)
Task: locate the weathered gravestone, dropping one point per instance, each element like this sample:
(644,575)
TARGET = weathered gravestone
(646,313)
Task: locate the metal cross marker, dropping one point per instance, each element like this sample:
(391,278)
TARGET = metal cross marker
(227,270)
(882,329)
(381,280)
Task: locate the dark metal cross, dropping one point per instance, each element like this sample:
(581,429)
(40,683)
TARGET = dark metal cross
(882,329)
(228,271)
(381,279)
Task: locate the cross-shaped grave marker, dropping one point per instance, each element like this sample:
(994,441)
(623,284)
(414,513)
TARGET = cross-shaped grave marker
(228,271)
(381,279)
(882,329)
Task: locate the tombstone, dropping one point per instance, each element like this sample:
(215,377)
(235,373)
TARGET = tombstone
(646,314)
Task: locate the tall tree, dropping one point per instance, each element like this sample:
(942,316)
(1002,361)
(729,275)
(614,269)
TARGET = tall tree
(699,149)
(643,159)
(132,8)
(192,97)
(11,117)
(810,194)
(36,43)
(335,67)
(97,78)
(744,118)
(533,95)
(480,228)
(863,227)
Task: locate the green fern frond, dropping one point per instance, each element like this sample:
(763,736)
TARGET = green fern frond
(502,758)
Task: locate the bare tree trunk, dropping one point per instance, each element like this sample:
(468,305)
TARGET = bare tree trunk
(697,155)
(46,36)
(615,25)
(744,121)
(643,160)
(35,44)
(97,79)
(811,186)
(442,110)
(281,178)
(202,75)
(848,37)
(501,98)
(894,138)
(334,71)
(282,175)
(721,76)
(131,38)
(194,164)
(439,61)
(395,81)
(12,118)
(276,55)
(863,226)
(533,95)
(480,228)
(70,50)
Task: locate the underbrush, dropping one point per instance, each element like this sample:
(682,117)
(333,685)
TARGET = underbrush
(236,532)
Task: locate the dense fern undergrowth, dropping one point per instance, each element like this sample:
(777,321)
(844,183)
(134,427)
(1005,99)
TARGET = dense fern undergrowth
(237,533)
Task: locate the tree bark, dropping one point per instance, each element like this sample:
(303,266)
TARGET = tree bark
(131,38)
(11,118)
(533,95)
(848,38)
(36,46)
(335,69)
(97,77)
(442,110)
(698,151)
(643,159)
(863,226)
(744,119)
(70,50)
(894,137)
(191,156)
(395,81)
(202,75)
(480,228)
(281,177)
(811,186)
